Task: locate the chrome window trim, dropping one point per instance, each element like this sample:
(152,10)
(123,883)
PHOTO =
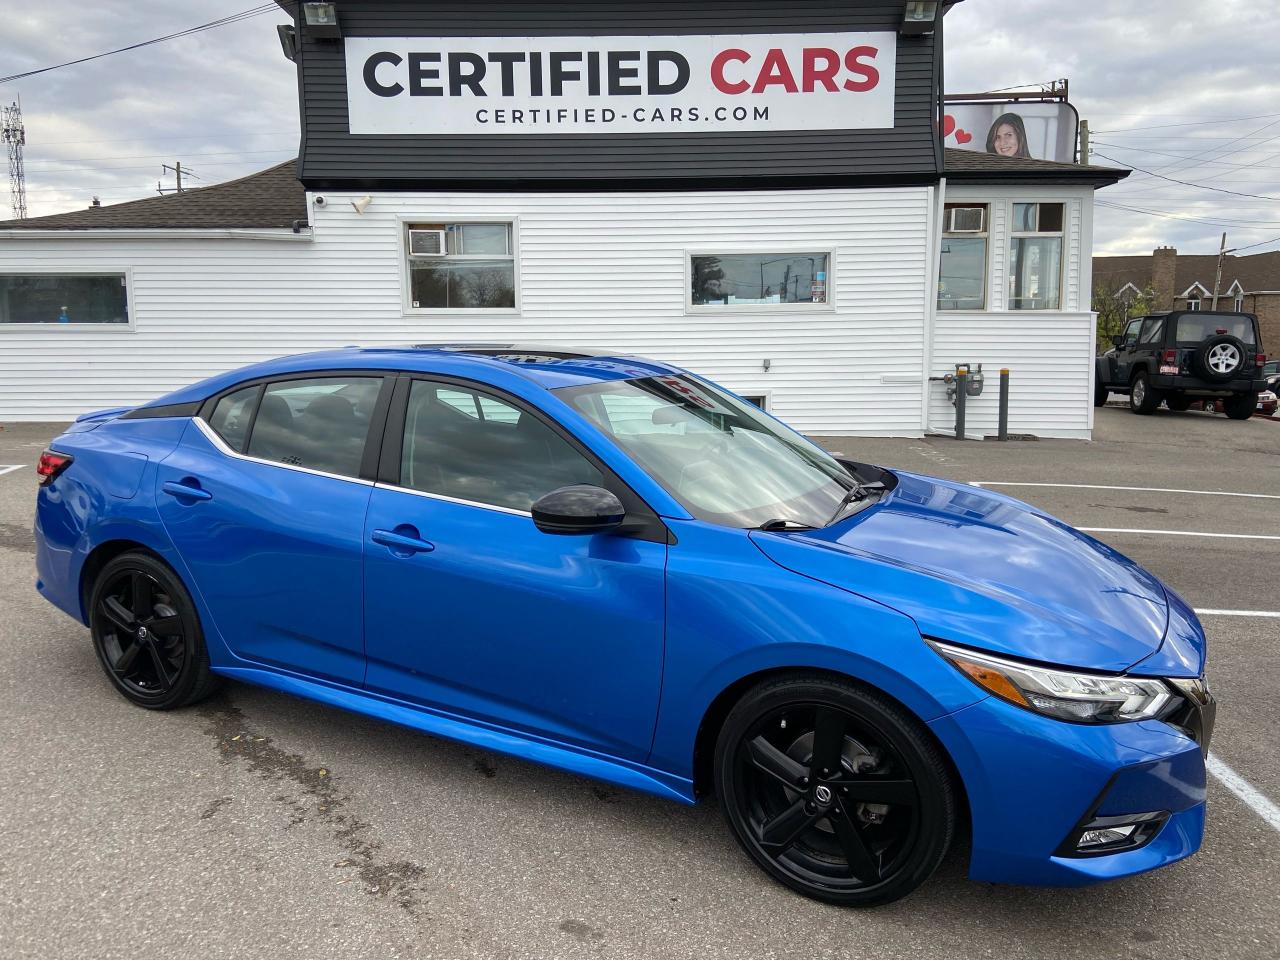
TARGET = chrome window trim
(466,503)
(221,446)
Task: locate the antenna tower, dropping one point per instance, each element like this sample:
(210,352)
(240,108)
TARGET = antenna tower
(14,135)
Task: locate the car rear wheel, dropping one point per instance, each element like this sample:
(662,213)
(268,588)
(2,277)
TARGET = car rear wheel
(1142,398)
(147,634)
(1241,406)
(834,791)
(1177,402)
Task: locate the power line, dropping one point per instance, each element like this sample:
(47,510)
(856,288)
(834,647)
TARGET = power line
(1186,183)
(1258,244)
(1216,222)
(161,156)
(1194,123)
(222,22)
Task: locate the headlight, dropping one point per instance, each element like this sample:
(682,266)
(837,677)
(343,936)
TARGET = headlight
(1081,697)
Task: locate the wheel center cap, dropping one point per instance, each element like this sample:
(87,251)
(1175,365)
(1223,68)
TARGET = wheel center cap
(142,633)
(822,794)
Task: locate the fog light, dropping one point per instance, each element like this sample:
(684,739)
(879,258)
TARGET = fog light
(1106,836)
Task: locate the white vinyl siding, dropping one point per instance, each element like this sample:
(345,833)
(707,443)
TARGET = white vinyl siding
(595,270)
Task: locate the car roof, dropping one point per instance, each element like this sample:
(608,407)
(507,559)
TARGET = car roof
(549,367)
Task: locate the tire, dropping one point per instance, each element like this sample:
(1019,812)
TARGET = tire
(1100,393)
(1241,406)
(818,831)
(147,634)
(1178,402)
(1142,398)
(1219,358)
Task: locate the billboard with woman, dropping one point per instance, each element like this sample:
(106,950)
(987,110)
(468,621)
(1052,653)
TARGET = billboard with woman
(1043,131)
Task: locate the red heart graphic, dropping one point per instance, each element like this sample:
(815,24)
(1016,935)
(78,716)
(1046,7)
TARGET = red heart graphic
(963,137)
(948,124)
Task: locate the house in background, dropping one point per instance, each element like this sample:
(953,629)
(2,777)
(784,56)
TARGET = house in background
(1250,284)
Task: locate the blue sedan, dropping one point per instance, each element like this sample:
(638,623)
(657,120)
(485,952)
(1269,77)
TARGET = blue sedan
(613,566)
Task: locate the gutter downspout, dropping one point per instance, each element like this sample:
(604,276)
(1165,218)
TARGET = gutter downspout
(934,234)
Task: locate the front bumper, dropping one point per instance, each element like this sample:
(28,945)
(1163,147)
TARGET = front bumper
(1194,385)
(1033,783)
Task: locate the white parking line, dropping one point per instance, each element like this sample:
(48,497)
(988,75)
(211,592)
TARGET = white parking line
(1098,486)
(1182,533)
(1275,614)
(16,466)
(1256,802)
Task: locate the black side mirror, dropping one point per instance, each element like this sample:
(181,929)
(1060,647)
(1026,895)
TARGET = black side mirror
(1117,340)
(580,508)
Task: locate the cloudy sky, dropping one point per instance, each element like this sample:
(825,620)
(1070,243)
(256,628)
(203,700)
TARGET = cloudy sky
(1173,88)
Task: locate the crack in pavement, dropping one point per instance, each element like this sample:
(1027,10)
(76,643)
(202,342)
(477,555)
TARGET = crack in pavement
(319,796)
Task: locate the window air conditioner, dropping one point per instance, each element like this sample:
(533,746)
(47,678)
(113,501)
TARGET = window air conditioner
(964,220)
(427,243)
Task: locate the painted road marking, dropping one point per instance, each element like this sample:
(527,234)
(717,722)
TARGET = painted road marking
(1183,533)
(16,466)
(1256,802)
(1275,614)
(1098,486)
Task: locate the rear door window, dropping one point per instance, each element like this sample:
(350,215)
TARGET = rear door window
(320,423)
(1151,328)
(233,414)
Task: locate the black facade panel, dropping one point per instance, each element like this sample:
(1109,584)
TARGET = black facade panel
(333,158)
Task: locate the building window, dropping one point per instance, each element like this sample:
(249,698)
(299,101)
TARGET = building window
(962,274)
(1035,257)
(757,279)
(64,298)
(1193,303)
(461,266)
(1239,303)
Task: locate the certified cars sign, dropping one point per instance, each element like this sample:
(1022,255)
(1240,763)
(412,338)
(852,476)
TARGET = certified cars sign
(542,85)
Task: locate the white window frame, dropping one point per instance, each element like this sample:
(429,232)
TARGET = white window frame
(988,235)
(1193,304)
(1013,234)
(78,270)
(786,250)
(403,222)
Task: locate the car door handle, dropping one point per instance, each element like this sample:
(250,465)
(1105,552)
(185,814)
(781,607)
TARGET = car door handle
(402,541)
(188,491)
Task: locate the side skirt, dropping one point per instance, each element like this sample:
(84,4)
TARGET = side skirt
(498,739)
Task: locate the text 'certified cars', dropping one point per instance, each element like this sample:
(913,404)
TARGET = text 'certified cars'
(615,567)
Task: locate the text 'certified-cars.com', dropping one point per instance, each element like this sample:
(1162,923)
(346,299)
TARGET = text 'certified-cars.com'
(615,567)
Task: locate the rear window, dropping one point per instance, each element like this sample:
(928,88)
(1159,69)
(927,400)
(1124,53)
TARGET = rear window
(1192,328)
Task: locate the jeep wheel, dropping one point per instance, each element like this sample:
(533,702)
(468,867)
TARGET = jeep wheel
(1099,393)
(1178,402)
(1142,398)
(1241,406)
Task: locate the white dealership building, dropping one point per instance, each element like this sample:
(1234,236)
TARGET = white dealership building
(770,205)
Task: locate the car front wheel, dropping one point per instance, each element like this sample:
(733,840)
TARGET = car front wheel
(1142,398)
(147,634)
(1099,393)
(834,791)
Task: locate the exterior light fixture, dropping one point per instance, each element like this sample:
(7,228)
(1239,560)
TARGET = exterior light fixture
(322,20)
(288,41)
(362,204)
(917,20)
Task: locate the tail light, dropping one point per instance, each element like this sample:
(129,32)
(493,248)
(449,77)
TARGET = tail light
(50,465)
(1169,357)
(1260,359)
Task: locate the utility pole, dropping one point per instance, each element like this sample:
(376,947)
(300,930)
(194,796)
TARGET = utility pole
(178,173)
(1217,277)
(14,135)
(1084,142)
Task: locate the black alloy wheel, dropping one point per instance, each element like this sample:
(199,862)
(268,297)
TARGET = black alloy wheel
(147,635)
(834,790)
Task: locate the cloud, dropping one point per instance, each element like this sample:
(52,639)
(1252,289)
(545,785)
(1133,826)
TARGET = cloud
(224,102)
(1133,68)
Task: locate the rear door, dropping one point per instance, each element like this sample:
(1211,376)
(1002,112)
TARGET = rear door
(265,499)
(472,610)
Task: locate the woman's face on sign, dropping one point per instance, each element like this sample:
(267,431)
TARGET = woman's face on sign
(1006,141)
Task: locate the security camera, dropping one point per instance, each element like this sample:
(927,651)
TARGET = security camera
(319,201)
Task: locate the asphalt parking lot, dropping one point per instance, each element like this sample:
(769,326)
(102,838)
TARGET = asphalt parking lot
(257,825)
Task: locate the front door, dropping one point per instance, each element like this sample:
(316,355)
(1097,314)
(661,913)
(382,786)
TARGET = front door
(1122,359)
(470,609)
(266,505)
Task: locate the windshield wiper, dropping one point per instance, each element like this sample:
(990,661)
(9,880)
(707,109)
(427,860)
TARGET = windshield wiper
(855,494)
(780,524)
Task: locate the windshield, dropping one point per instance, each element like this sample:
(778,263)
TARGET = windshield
(724,460)
(1194,327)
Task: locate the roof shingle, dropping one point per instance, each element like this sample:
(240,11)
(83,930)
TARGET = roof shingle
(272,198)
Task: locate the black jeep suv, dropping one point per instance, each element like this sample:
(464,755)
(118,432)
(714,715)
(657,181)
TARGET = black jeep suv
(1182,356)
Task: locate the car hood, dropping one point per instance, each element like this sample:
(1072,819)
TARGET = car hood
(987,571)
